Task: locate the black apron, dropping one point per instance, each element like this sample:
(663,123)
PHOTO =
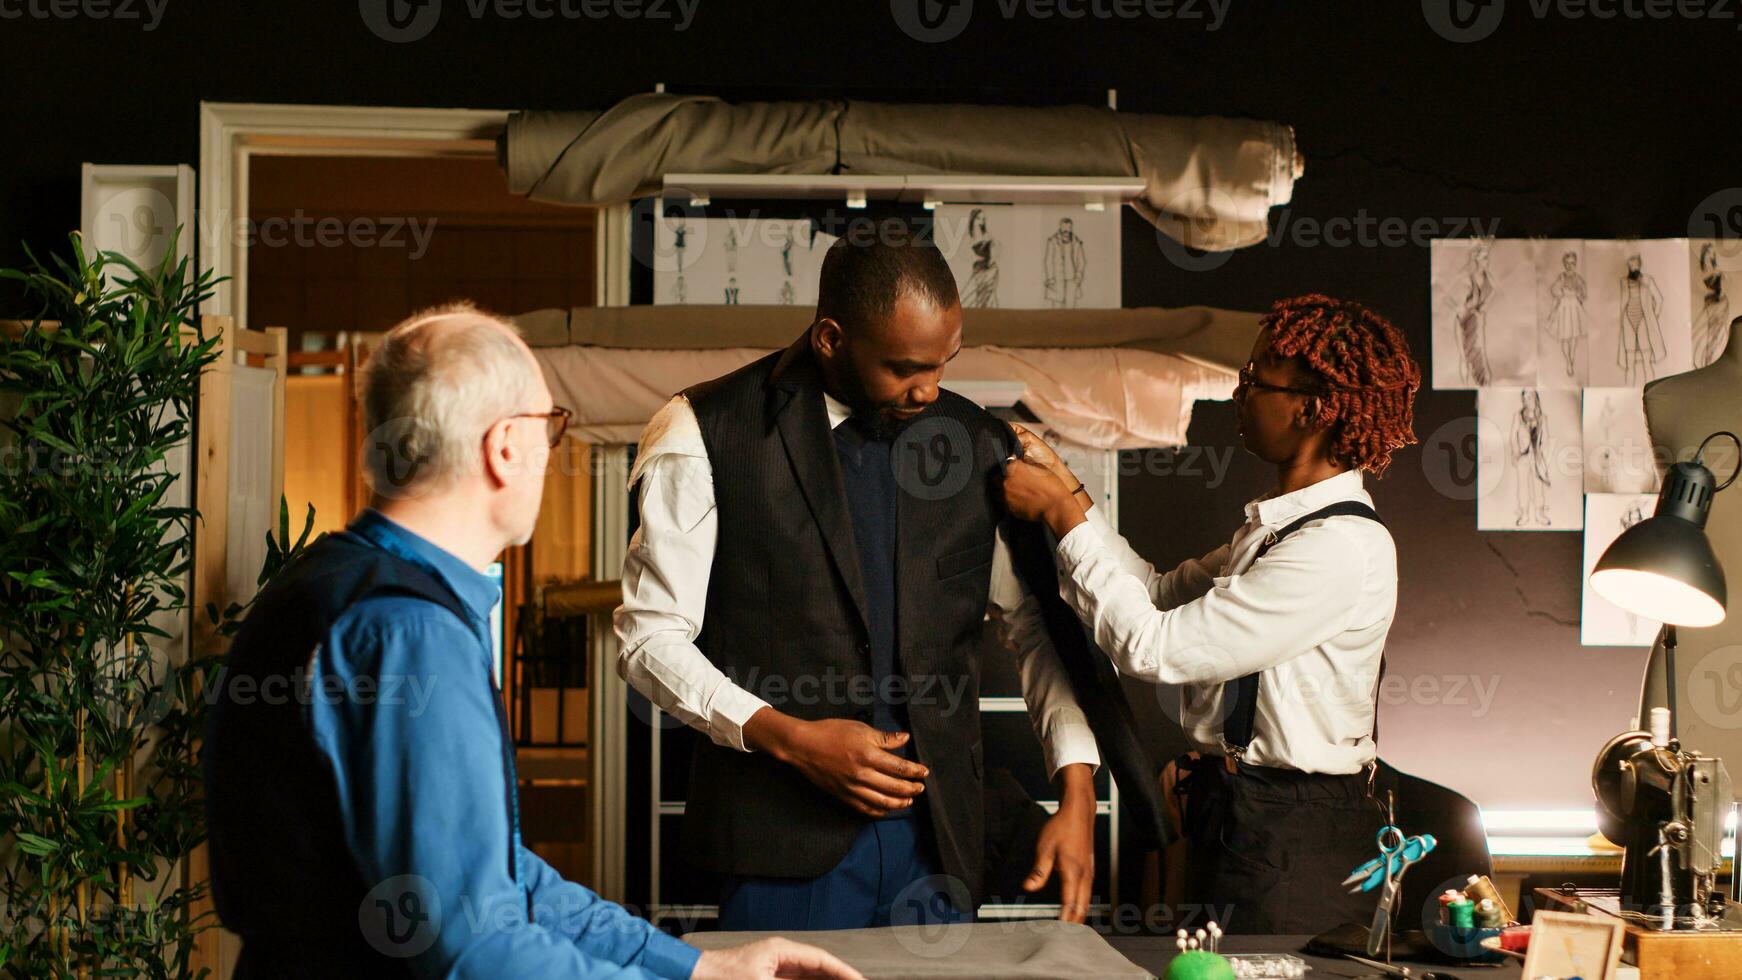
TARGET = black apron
(1268,846)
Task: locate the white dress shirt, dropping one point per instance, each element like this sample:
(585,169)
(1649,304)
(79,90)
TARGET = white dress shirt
(1310,619)
(665,592)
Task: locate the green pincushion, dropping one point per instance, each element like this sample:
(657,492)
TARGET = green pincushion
(1199,964)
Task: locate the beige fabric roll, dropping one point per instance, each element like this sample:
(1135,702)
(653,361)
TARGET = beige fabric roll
(1209,181)
(1214,337)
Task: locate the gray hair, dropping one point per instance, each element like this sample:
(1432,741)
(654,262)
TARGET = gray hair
(430,391)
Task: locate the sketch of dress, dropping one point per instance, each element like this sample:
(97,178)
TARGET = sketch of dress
(1530,459)
(1641,344)
(1711,323)
(1472,317)
(982,288)
(1065,265)
(1633,515)
(731,246)
(1566,318)
(787,293)
(679,291)
(732,291)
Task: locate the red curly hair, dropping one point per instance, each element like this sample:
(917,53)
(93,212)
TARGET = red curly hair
(1367,379)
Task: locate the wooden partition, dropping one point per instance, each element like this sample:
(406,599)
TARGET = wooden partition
(213,461)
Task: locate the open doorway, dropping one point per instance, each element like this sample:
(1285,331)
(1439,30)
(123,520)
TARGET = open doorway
(342,247)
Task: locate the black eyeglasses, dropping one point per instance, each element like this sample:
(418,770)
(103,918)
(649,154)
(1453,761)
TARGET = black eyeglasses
(556,422)
(1248,382)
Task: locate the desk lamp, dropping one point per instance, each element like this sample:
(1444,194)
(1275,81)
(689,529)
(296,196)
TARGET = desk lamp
(1664,806)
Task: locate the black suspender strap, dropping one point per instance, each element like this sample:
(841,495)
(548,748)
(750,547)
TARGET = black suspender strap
(1237,733)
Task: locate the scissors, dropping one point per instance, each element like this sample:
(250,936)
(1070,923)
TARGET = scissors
(1396,854)
(1391,861)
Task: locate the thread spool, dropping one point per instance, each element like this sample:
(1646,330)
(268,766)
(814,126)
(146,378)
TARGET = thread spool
(1463,914)
(1479,887)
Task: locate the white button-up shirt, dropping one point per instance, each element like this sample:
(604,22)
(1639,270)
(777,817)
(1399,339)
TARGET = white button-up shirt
(665,592)
(1310,619)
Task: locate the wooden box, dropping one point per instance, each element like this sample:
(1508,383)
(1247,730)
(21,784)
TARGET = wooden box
(1713,955)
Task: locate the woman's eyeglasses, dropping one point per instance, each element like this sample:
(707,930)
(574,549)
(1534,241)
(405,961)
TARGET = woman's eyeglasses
(1249,382)
(556,422)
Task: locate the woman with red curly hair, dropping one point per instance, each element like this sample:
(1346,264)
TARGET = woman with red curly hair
(1276,639)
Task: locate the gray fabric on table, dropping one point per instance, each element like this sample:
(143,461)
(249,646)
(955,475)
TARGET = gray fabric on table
(1037,948)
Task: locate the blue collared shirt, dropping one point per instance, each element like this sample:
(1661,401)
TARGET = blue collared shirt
(417,753)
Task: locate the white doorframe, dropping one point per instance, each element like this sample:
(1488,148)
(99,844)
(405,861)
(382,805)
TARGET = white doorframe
(233,132)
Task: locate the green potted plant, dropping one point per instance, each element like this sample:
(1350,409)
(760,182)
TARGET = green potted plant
(100,713)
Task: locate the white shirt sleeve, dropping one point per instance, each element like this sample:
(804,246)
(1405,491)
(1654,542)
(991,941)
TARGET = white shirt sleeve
(1302,594)
(665,583)
(1059,723)
(1193,577)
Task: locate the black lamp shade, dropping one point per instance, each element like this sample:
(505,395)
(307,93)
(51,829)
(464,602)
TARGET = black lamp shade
(1663,568)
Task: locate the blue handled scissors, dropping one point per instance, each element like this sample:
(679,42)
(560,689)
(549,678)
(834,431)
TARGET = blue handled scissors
(1396,854)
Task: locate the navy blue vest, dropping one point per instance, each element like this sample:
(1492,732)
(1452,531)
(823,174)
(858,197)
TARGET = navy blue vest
(282,873)
(872,496)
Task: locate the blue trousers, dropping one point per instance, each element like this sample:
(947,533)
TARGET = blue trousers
(889,877)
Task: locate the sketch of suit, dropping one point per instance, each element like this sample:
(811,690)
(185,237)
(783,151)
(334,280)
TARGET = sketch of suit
(1641,336)
(1064,265)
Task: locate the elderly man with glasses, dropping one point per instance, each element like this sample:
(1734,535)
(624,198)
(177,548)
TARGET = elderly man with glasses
(359,775)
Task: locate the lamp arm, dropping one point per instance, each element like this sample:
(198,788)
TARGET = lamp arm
(1669,676)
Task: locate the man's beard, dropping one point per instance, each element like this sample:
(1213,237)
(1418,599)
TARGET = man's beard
(1633,273)
(878,425)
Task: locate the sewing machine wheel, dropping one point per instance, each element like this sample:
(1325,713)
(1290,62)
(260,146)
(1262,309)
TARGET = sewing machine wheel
(1614,780)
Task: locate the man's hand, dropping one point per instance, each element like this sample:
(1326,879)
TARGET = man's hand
(1067,845)
(769,959)
(849,760)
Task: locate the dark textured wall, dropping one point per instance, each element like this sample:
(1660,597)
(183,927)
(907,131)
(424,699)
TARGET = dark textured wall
(1554,125)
